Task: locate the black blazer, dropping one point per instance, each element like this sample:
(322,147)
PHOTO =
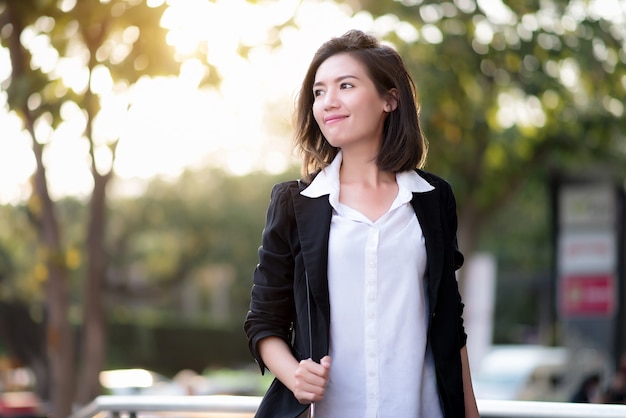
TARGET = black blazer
(294,251)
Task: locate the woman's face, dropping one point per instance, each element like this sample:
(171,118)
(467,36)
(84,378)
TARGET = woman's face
(348,109)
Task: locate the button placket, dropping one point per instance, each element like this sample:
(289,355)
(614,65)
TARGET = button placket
(371,326)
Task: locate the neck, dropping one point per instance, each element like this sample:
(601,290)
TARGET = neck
(361,168)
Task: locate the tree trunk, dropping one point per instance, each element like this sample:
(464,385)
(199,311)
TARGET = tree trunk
(60,340)
(94,323)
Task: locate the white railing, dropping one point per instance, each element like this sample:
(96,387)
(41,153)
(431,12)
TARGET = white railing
(528,409)
(245,406)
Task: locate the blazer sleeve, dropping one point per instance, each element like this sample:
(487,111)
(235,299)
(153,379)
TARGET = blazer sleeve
(272,308)
(458,259)
(452,219)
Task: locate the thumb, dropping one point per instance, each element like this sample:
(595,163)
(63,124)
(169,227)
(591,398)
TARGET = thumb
(326,361)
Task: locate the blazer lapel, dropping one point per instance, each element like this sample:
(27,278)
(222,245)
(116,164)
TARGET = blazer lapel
(313,216)
(426,206)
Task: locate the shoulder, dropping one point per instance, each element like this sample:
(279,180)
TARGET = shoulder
(289,186)
(285,187)
(284,193)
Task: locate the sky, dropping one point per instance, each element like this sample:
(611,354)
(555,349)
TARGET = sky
(172,124)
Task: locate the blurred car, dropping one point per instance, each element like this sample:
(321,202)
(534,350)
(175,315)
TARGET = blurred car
(521,372)
(185,382)
(22,404)
(138,382)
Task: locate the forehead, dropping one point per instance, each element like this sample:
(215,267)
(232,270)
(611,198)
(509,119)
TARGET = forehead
(340,65)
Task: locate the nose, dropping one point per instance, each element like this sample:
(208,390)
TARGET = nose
(331,99)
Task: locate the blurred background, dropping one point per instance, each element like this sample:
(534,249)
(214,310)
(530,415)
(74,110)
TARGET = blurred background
(139,141)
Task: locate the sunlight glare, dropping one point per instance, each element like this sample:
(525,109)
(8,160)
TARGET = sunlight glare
(112,119)
(167,125)
(73,73)
(5,64)
(612,10)
(43,129)
(516,108)
(165,137)
(67,162)
(497,12)
(191,73)
(276,162)
(16,160)
(67,5)
(44,56)
(101,81)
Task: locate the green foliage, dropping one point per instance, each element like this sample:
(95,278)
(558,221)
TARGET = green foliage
(503,94)
(158,347)
(23,274)
(159,243)
(176,233)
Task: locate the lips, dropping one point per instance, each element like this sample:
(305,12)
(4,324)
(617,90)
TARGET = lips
(333,118)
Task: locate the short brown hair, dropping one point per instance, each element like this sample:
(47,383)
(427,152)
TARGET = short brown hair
(403,147)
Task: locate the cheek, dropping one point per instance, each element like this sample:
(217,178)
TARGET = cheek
(318,114)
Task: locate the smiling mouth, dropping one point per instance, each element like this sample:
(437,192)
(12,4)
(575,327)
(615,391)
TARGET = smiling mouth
(332,119)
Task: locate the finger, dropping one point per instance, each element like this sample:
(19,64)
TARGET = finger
(314,368)
(314,375)
(310,381)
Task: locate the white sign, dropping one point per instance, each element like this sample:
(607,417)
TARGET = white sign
(584,252)
(583,205)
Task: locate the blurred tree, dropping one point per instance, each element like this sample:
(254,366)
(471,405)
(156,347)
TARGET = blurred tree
(164,247)
(510,90)
(21,331)
(173,237)
(24,336)
(123,41)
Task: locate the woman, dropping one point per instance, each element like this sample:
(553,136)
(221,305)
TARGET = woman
(355,307)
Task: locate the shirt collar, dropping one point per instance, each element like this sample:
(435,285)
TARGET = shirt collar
(327,181)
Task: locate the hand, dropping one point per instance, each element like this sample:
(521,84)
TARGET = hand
(311,380)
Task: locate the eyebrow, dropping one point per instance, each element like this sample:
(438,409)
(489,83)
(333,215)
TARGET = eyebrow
(336,80)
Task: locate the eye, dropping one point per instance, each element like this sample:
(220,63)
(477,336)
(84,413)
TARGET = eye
(317,92)
(346,85)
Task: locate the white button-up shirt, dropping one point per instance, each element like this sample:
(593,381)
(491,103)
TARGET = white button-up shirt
(381,362)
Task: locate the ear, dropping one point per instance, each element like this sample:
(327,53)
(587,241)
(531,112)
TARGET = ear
(391,102)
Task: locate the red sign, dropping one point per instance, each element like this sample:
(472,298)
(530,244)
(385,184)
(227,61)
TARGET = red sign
(587,295)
